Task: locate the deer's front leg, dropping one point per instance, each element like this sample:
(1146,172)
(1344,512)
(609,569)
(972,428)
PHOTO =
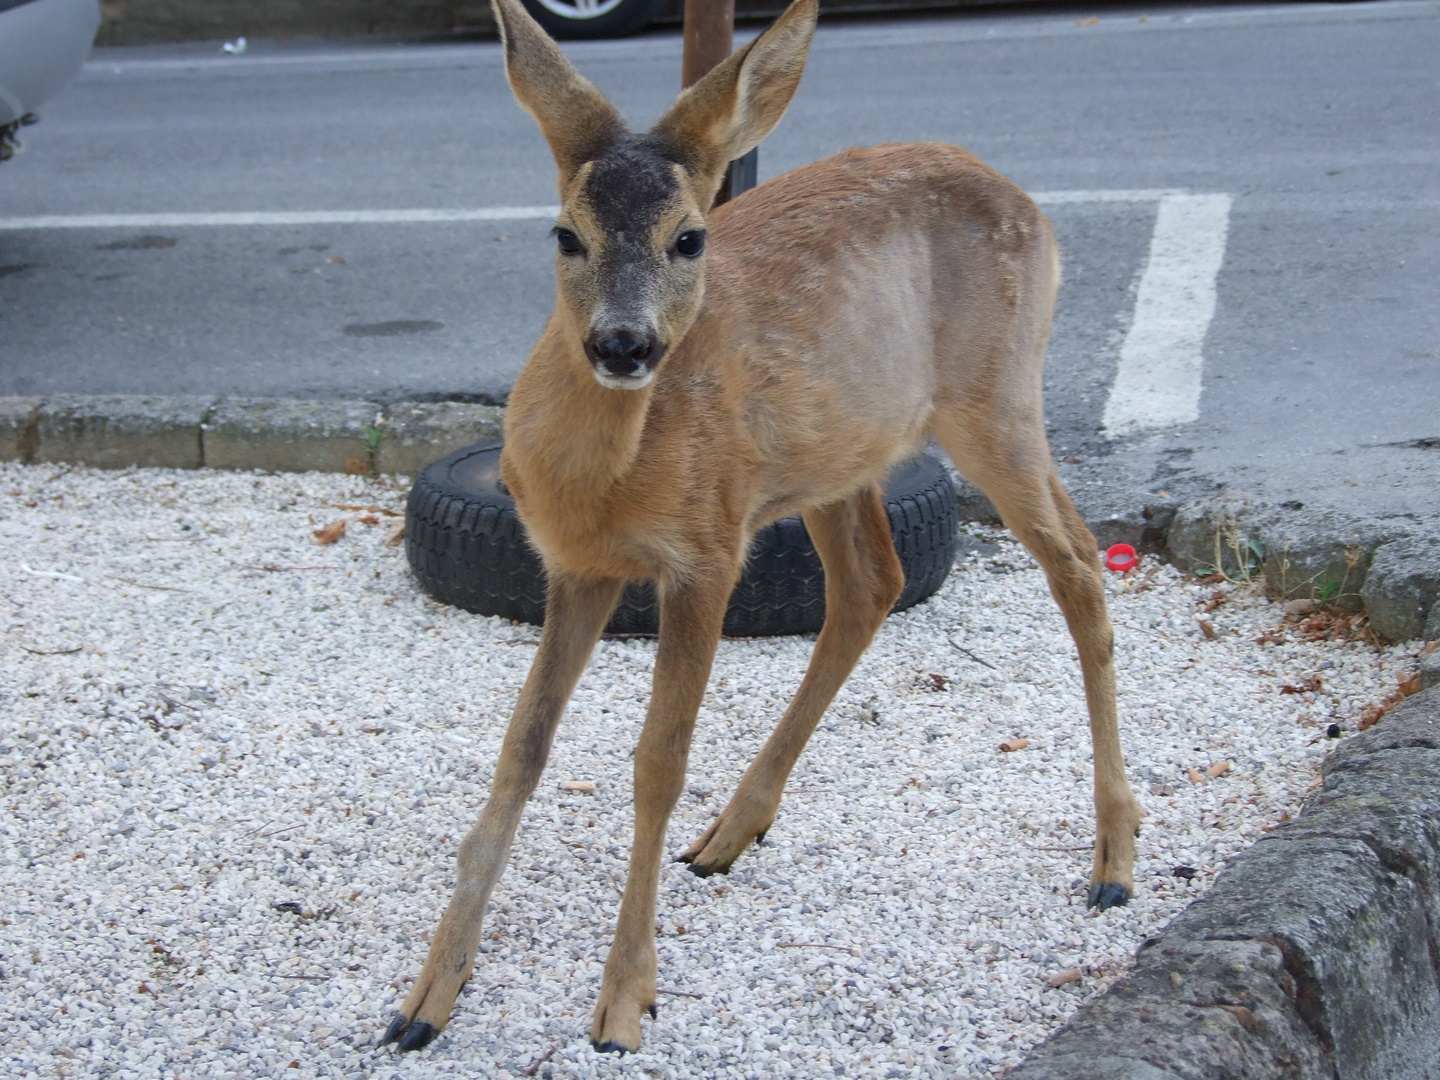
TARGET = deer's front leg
(691,617)
(575,613)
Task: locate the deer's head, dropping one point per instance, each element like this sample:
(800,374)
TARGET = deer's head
(630,267)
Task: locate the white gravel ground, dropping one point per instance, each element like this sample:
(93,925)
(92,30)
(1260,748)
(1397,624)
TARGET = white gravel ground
(236,766)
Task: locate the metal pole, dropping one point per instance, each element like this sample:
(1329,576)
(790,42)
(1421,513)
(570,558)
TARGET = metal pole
(709,39)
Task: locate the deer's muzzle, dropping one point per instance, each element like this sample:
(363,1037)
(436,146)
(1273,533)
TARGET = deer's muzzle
(623,359)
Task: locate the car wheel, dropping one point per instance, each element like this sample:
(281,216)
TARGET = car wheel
(467,547)
(593,18)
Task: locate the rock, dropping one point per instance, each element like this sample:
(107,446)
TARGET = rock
(972,502)
(1123,514)
(291,436)
(1311,957)
(17,427)
(1215,534)
(1304,554)
(1413,724)
(1318,554)
(121,431)
(416,433)
(1402,587)
(1189,1010)
(1430,669)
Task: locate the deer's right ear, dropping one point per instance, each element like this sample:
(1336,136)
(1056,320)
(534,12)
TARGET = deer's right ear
(727,113)
(573,115)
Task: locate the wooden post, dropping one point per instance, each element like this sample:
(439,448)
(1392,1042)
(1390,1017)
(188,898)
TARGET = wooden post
(709,39)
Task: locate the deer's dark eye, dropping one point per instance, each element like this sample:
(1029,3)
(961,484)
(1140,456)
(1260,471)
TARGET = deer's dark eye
(690,244)
(569,243)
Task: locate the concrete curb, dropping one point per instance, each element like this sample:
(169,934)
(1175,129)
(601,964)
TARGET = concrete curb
(1315,955)
(1301,553)
(281,435)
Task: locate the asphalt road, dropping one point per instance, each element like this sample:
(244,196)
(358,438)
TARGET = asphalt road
(1317,364)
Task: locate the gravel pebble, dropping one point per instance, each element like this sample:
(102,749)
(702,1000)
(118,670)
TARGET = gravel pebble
(236,766)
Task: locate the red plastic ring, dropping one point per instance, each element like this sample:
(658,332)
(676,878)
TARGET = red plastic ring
(1121,558)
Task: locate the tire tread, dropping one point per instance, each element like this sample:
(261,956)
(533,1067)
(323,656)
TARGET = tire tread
(469,550)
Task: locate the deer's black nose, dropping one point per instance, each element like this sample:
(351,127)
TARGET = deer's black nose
(622,353)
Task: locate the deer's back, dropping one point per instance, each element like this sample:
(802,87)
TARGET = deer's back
(863,290)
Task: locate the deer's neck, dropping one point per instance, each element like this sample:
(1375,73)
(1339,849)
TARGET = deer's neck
(562,425)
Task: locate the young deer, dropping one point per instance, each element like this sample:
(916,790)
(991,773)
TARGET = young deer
(706,373)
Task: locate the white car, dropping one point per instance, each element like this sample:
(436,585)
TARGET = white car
(42,45)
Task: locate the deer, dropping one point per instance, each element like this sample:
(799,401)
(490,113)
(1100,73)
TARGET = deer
(708,371)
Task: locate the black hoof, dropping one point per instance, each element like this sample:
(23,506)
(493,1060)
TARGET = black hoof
(698,870)
(418,1037)
(1107,894)
(760,840)
(396,1029)
(654,1012)
(608,1047)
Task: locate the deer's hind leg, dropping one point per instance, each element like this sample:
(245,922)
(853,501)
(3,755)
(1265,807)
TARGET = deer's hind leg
(1008,458)
(863,579)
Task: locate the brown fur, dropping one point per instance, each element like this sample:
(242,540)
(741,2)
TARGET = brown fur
(842,314)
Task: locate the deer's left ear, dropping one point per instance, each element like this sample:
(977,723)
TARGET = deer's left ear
(573,115)
(727,113)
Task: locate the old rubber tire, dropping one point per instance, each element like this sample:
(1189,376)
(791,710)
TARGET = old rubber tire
(467,547)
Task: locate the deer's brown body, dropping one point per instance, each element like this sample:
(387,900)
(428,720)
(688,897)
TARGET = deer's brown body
(837,317)
(836,323)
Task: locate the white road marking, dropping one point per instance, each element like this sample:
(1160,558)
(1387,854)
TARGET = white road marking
(423,217)
(1157,384)
(1158,381)
(278,217)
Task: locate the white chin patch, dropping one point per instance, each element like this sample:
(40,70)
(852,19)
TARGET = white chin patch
(623,382)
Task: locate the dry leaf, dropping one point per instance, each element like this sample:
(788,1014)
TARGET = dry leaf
(1372,713)
(335,259)
(936,681)
(1088,22)
(1208,629)
(1369,717)
(1195,777)
(585,787)
(1430,647)
(1220,768)
(368,519)
(367,508)
(1285,815)
(328,534)
(1011,745)
(1309,686)
(1301,607)
(1062,978)
(395,534)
